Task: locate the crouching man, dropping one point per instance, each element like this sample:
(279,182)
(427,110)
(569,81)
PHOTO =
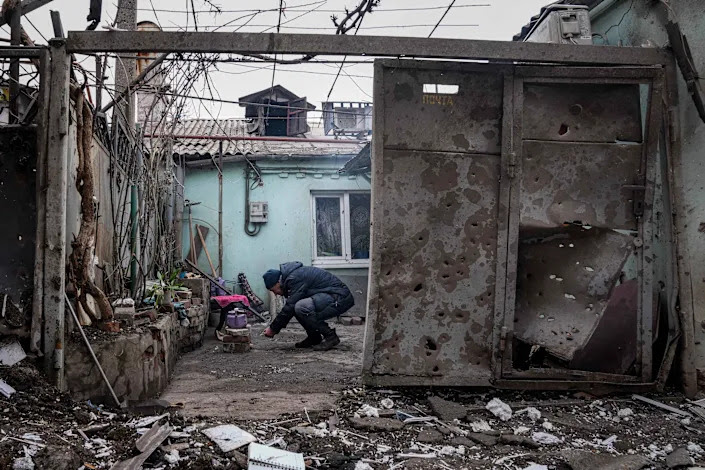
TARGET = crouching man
(312,296)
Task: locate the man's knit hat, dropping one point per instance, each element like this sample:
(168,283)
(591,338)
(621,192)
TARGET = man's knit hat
(271,277)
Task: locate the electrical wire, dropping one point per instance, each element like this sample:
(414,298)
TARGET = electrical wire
(26,17)
(298,9)
(441,20)
(214,28)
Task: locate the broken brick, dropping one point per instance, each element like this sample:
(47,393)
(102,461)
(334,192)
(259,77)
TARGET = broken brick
(446,410)
(376,424)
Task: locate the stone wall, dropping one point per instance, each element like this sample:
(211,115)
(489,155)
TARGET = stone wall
(191,337)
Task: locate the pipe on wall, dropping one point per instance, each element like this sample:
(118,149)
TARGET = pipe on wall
(251,232)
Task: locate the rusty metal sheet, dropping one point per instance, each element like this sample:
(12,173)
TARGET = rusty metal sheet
(438,252)
(612,348)
(564,282)
(582,112)
(469,121)
(592,183)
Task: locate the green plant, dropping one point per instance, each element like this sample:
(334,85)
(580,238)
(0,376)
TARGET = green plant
(162,291)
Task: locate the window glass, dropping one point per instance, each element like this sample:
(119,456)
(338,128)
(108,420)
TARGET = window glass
(328,227)
(360,226)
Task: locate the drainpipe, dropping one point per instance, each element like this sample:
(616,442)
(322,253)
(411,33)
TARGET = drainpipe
(255,231)
(220,208)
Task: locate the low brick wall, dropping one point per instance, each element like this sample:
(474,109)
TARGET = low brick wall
(191,337)
(139,362)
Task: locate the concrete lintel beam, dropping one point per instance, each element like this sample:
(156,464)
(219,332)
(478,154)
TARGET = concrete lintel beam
(373,46)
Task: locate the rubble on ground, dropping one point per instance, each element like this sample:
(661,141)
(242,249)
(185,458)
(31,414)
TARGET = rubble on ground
(42,428)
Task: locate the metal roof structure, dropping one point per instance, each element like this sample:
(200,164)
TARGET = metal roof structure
(361,163)
(201,140)
(534,19)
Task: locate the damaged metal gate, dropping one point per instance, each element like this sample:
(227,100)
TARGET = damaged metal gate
(512,226)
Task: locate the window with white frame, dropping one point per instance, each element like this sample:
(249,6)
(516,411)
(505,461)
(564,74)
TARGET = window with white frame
(341,228)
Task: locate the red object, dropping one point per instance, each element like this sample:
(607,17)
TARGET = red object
(234,138)
(225,300)
(269,333)
(110,326)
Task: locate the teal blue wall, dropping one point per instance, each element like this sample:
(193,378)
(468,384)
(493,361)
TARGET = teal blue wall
(287,236)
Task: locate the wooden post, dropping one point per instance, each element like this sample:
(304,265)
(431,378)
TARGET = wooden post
(54,213)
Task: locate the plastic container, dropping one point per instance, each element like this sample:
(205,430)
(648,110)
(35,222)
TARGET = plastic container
(236,320)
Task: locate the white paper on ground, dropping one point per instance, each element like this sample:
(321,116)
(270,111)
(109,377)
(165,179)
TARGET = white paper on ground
(500,409)
(266,458)
(11,352)
(229,437)
(5,389)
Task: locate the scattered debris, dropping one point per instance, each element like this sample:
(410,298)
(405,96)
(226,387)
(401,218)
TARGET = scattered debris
(546,438)
(694,448)
(480,426)
(500,409)
(483,439)
(679,458)
(532,413)
(369,411)
(376,424)
(387,403)
(11,352)
(581,460)
(6,390)
(229,437)
(446,410)
(147,444)
(261,457)
(663,406)
(363,466)
(625,412)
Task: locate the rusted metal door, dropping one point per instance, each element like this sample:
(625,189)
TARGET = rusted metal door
(437,269)
(511,225)
(579,288)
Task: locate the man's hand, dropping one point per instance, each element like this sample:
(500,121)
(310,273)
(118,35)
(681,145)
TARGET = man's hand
(269,333)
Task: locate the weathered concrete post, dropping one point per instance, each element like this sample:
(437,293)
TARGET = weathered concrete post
(125,67)
(55,212)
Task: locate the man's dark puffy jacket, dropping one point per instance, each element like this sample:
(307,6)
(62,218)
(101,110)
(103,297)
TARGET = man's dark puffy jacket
(300,282)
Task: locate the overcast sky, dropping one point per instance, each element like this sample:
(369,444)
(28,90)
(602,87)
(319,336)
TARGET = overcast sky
(468,19)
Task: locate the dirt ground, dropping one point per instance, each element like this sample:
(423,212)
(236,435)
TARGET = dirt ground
(272,380)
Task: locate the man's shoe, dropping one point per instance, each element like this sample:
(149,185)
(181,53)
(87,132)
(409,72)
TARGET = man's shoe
(309,342)
(329,342)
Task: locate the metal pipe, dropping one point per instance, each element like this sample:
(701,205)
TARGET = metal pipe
(15,40)
(90,351)
(255,231)
(133,239)
(220,208)
(236,138)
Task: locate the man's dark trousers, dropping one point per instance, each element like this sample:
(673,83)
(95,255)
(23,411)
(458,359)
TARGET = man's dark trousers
(312,312)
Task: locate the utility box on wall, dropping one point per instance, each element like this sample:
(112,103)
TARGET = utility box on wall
(259,212)
(562,24)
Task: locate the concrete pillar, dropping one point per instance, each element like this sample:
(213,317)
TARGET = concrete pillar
(54,212)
